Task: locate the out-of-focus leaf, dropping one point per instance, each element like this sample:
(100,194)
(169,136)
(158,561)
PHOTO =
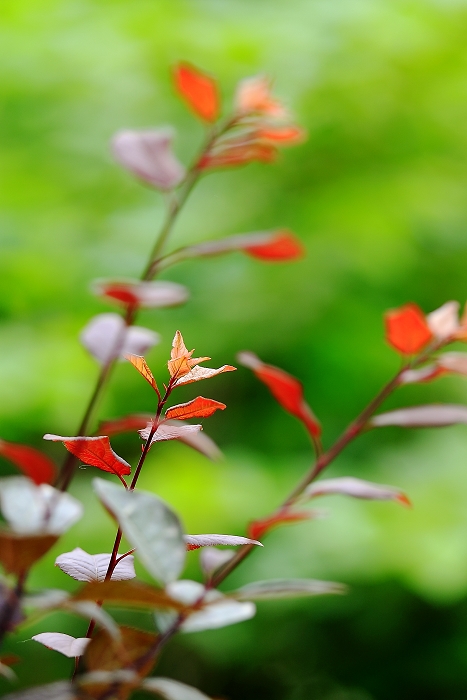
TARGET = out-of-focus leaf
(93,567)
(172,690)
(253,95)
(199,90)
(198,440)
(148,155)
(258,528)
(429,416)
(128,594)
(63,690)
(46,599)
(63,643)
(197,541)
(407,329)
(197,408)
(198,373)
(127,424)
(453,362)
(106,337)
(282,246)
(358,488)
(143,368)
(94,451)
(282,135)
(150,526)
(147,295)
(235,153)
(287,390)
(96,679)
(19,552)
(92,611)
(169,432)
(286,588)
(103,654)
(5,669)
(181,360)
(34,464)
(444,322)
(424,374)
(212,559)
(30,509)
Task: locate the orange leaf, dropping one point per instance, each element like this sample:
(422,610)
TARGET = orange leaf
(180,362)
(36,465)
(199,90)
(287,390)
(95,451)
(406,329)
(282,135)
(238,154)
(258,528)
(254,95)
(133,422)
(282,246)
(197,408)
(141,365)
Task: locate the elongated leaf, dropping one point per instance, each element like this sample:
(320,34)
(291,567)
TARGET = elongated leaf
(127,424)
(150,526)
(212,559)
(197,408)
(63,690)
(254,96)
(199,441)
(235,153)
(148,155)
(199,373)
(147,295)
(358,488)
(286,516)
(19,552)
(93,567)
(444,322)
(46,599)
(287,390)
(169,432)
(283,246)
(106,337)
(197,541)
(199,90)
(63,643)
(95,451)
(141,365)
(424,374)
(283,135)
(128,594)
(172,690)
(407,329)
(429,416)
(96,679)
(34,464)
(287,588)
(453,362)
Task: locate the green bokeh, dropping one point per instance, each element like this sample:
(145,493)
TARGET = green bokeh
(377,194)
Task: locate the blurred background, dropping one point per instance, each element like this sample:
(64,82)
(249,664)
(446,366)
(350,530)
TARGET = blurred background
(378,196)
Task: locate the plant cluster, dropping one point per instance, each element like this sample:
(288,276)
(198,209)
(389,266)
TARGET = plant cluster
(111,660)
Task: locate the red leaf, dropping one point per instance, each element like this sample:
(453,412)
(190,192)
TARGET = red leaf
(407,330)
(287,390)
(258,528)
(148,295)
(141,365)
(282,246)
(95,451)
(238,154)
(282,135)
(127,424)
(199,90)
(197,408)
(31,462)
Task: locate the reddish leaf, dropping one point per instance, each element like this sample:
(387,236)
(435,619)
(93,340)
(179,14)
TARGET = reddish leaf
(258,528)
(36,465)
(282,135)
(197,408)
(147,295)
(199,90)
(95,451)
(19,552)
(181,362)
(197,541)
(283,246)
(254,95)
(237,154)
(287,390)
(128,594)
(407,330)
(107,655)
(127,424)
(141,365)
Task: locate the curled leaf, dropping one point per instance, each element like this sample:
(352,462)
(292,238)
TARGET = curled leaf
(287,588)
(94,451)
(63,643)
(169,432)
(199,90)
(106,337)
(146,295)
(181,362)
(197,408)
(444,322)
(407,329)
(429,416)
(358,488)
(287,390)
(197,541)
(34,464)
(93,567)
(148,155)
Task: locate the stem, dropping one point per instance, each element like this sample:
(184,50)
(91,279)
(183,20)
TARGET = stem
(10,607)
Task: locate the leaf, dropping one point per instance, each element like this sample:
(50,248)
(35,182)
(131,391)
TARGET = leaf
(198,373)
(93,567)
(444,322)
(197,408)
(106,338)
(429,416)
(19,552)
(254,95)
(30,509)
(199,90)
(63,643)
(131,423)
(283,246)
(453,362)
(128,594)
(63,690)
(172,690)
(212,559)
(96,683)
(407,329)
(181,362)
(146,295)
(94,451)
(148,155)
(141,365)
(46,599)
(104,655)
(258,528)
(287,390)
(169,432)
(150,526)
(92,611)
(424,374)
(34,464)
(197,541)
(282,135)
(358,488)
(228,155)
(199,441)
(287,588)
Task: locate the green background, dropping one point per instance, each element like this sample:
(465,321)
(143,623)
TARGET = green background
(378,196)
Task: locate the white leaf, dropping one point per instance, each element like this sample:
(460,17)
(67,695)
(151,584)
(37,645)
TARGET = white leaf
(46,599)
(149,295)
(149,525)
(91,611)
(63,690)
(213,540)
(169,432)
(107,337)
(93,567)
(198,373)
(172,690)
(412,376)
(444,322)
(212,558)
(453,362)
(358,488)
(106,678)
(64,643)
(197,440)
(431,415)
(287,588)
(149,156)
